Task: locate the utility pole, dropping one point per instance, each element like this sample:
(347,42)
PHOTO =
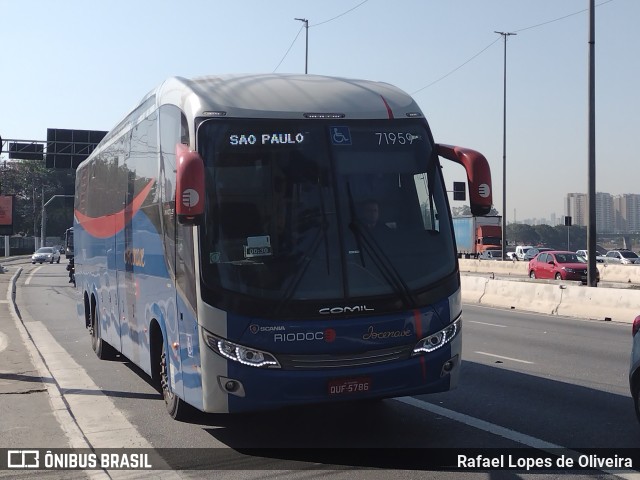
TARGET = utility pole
(43,225)
(504,149)
(306,54)
(591,171)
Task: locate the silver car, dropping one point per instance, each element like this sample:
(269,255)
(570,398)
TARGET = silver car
(634,370)
(46,254)
(623,256)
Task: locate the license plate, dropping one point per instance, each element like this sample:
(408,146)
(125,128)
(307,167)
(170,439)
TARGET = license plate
(346,386)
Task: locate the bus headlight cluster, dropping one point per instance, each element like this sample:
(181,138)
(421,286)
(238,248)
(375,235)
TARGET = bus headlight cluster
(438,339)
(240,353)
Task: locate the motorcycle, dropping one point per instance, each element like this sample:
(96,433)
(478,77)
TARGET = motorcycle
(72,272)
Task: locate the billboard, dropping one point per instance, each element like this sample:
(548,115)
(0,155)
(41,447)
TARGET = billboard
(6,214)
(26,151)
(67,148)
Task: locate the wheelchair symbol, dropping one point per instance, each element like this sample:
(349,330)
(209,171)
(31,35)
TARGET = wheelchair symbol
(340,136)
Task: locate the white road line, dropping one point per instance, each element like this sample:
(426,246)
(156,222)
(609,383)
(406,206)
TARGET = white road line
(88,418)
(33,272)
(4,341)
(513,435)
(485,323)
(504,358)
(480,424)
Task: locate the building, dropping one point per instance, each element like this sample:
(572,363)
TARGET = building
(627,213)
(577,208)
(605,213)
(619,214)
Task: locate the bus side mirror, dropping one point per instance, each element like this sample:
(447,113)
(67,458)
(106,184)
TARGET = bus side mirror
(189,186)
(478,175)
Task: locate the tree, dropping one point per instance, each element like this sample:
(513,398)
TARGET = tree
(465,211)
(31,182)
(522,234)
(549,236)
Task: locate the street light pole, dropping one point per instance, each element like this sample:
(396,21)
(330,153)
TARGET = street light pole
(44,216)
(591,171)
(306,51)
(504,149)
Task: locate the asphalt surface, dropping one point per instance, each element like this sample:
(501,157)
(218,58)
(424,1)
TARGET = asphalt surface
(32,412)
(24,382)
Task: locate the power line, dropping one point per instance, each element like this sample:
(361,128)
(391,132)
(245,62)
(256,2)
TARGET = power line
(492,43)
(342,14)
(288,50)
(457,68)
(561,18)
(317,24)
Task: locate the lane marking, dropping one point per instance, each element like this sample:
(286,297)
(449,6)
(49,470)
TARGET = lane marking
(492,428)
(485,323)
(504,358)
(4,341)
(33,272)
(503,432)
(87,417)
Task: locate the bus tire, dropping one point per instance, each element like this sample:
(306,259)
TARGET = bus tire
(176,407)
(102,349)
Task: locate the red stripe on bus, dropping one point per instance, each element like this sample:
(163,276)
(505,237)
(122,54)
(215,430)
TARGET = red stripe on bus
(107,226)
(389,111)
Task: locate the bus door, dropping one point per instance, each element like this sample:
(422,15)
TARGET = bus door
(127,288)
(112,334)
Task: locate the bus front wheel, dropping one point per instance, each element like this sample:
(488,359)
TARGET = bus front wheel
(176,407)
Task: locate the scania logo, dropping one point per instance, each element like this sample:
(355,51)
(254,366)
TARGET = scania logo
(338,310)
(253,328)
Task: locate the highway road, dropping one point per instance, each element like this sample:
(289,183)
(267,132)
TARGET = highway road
(528,380)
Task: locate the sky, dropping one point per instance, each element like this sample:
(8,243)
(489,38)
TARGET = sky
(83,65)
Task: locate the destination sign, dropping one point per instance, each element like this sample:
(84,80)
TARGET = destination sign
(266,138)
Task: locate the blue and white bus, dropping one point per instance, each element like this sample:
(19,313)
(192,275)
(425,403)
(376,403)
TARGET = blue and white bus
(222,243)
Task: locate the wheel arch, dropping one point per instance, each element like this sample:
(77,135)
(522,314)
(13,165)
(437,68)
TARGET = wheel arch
(156,338)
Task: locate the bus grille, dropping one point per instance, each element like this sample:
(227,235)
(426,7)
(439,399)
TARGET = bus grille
(312,362)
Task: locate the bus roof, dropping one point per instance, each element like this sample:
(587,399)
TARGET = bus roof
(285,96)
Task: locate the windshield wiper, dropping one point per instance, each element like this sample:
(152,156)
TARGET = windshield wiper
(321,234)
(380,259)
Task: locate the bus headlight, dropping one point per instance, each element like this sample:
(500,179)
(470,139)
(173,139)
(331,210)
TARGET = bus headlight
(439,339)
(240,353)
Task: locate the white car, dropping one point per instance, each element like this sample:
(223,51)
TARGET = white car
(585,255)
(623,256)
(46,254)
(634,370)
(521,251)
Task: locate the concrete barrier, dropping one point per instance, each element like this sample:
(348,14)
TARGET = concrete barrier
(616,304)
(620,273)
(608,272)
(493,266)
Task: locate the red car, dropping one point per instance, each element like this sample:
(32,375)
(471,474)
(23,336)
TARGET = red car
(560,265)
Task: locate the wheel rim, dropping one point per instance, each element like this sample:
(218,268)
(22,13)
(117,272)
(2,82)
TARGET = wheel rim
(164,378)
(93,330)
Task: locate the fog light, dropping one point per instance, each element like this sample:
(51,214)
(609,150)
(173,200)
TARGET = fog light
(231,386)
(449,365)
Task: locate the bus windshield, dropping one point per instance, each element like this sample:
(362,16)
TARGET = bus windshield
(314,210)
